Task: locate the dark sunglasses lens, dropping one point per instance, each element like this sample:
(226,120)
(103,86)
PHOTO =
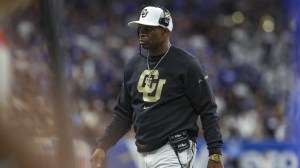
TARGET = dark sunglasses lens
(146,29)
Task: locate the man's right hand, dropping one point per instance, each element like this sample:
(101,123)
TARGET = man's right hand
(97,158)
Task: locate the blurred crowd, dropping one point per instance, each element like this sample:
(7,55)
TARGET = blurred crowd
(244,45)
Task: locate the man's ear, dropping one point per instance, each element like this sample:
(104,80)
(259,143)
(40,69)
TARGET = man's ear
(165,32)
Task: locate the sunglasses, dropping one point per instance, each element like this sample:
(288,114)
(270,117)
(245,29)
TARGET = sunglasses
(147,29)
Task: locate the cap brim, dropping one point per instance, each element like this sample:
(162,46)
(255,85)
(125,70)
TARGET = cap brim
(137,23)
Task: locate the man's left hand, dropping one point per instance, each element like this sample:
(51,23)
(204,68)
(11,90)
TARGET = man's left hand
(214,164)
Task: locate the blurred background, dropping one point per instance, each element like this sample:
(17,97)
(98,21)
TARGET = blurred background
(249,49)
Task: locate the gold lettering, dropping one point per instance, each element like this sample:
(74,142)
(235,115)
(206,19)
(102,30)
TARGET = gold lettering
(151,90)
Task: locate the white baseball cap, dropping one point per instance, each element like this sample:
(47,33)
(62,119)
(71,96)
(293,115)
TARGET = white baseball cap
(154,16)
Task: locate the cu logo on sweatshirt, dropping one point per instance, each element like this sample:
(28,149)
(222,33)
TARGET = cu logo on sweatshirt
(150,85)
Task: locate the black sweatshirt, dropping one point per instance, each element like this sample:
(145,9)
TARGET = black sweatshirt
(180,91)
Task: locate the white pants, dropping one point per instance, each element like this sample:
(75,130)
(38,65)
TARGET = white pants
(165,157)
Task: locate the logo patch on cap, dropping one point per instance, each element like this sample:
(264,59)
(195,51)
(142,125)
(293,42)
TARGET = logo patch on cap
(144,13)
(167,15)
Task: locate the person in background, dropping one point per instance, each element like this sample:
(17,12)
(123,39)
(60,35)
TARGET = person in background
(162,96)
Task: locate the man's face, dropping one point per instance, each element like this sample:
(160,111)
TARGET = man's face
(151,37)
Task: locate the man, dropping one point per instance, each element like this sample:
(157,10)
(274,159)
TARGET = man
(162,96)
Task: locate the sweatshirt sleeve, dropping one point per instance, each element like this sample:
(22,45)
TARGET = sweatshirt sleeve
(199,92)
(121,121)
